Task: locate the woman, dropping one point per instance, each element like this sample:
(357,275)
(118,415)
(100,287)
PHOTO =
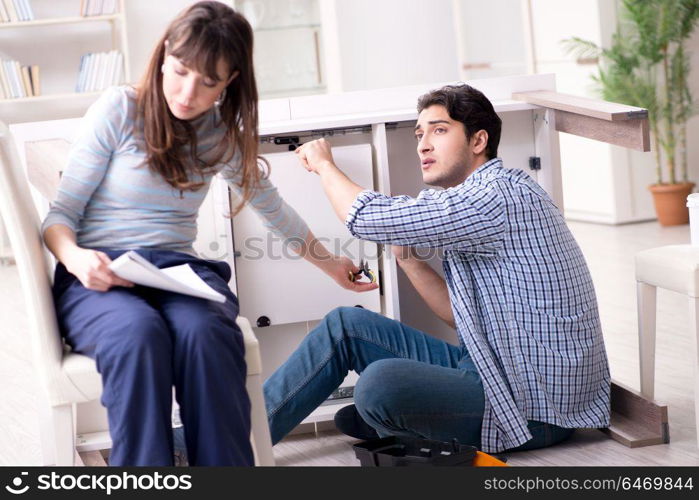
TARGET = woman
(135,179)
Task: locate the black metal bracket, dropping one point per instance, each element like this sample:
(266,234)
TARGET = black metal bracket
(292,140)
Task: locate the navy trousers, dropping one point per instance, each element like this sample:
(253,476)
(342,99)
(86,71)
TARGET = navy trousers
(146,341)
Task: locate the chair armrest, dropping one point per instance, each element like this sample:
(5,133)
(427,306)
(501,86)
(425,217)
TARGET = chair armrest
(252,347)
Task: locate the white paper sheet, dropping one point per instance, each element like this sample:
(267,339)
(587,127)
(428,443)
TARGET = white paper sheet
(180,279)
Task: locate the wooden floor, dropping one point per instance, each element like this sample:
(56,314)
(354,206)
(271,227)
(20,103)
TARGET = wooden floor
(609,251)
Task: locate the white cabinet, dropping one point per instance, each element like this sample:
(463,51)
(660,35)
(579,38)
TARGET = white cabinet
(287,49)
(287,61)
(276,283)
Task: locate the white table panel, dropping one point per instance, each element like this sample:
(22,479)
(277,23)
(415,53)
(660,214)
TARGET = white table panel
(272,280)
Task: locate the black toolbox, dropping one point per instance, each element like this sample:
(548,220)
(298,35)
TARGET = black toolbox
(404,451)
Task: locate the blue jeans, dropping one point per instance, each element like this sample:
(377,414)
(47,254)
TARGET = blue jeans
(145,341)
(411,384)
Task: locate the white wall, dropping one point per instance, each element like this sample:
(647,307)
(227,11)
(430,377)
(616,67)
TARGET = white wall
(388,43)
(490,49)
(146,24)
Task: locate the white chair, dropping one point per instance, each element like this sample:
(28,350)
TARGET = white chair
(676,268)
(72,419)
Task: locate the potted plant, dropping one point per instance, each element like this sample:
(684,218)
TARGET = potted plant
(647,66)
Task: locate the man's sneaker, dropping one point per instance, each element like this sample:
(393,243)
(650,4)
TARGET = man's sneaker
(349,421)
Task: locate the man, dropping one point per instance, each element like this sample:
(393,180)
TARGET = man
(531,366)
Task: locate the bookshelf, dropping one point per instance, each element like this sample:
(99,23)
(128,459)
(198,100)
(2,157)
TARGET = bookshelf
(60,20)
(5,250)
(53,97)
(60,100)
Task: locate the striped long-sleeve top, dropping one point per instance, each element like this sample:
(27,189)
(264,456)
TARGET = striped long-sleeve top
(111,199)
(521,293)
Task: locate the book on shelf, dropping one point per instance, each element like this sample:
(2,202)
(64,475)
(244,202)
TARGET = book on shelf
(26,8)
(180,279)
(106,69)
(30,11)
(36,83)
(17,77)
(13,74)
(93,66)
(26,81)
(95,7)
(116,63)
(103,77)
(118,75)
(30,75)
(9,71)
(100,70)
(11,11)
(81,74)
(90,8)
(18,81)
(7,75)
(109,7)
(4,14)
(9,68)
(16,10)
(5,81)
(90,64)
(19,11)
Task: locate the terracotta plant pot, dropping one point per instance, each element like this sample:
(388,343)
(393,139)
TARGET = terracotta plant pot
(671,202)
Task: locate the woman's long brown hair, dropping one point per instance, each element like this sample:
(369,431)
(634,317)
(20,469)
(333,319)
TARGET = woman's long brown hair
(200,37)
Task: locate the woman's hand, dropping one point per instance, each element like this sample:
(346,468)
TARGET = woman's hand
(91,267)
(339,269)
(313,155)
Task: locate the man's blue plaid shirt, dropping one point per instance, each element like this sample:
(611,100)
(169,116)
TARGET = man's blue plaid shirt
(521,292)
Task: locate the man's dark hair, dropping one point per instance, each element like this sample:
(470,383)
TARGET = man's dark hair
(470,107)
